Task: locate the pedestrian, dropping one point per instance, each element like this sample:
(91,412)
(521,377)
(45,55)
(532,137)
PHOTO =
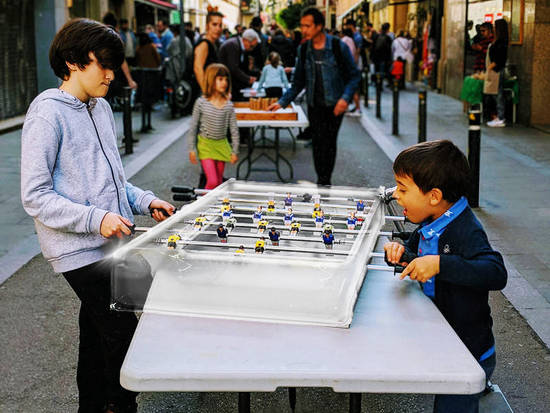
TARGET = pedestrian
(497,53)
(273,77)
(213,115)
(129,39)
(166,37)
(148,62)
(347,38)
(402,50)
(381,53)
(455,263)
(73,185)
(206,49)
(150,30)
(233,55)
(283,46)
(481,46)
(260,51)
(325,68)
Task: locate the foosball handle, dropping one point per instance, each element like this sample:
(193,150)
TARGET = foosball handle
(183,189)
(184,197)
(161,210)
(406,257)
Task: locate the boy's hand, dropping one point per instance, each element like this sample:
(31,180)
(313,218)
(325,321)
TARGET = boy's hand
(159,204)
(234,158)
(193,157)
(422,268)
(394,251)
(115,225)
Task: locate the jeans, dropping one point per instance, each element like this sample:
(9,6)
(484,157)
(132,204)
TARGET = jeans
(105,336)
(458,403)
(324,128)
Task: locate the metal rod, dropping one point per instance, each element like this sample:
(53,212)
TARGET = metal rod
(266,234)
(263,202)
(422,121)
(272,217)
(474,149)
(244,225)
(127,121)
(378,95)
(394,218)
(366,87)
(395,108)
(280,195)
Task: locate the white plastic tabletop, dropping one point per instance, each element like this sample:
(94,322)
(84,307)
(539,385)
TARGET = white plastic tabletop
(301,122)
(398,343)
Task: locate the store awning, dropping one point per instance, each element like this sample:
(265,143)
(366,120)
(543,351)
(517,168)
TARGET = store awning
(159,3)
(348,11)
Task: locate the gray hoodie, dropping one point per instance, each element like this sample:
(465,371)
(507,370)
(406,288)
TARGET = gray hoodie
(72,175)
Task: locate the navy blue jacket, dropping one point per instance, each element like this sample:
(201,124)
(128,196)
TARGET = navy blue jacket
(469,269)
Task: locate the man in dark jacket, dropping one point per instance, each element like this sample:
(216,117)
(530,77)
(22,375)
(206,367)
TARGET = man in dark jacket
(232,54)
(283,46)
(381,54)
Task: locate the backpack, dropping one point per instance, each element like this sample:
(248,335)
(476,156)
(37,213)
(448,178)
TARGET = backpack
(336,49)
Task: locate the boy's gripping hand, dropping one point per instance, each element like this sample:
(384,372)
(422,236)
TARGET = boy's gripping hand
(193,157)
(157,205)
(422,268)
(394,251)
(115,225)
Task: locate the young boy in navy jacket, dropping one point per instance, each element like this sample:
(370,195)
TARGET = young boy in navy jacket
(455,263)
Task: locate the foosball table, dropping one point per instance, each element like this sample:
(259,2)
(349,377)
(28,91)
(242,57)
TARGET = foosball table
(255,286)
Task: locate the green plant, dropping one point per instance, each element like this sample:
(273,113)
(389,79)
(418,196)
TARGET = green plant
(289,18)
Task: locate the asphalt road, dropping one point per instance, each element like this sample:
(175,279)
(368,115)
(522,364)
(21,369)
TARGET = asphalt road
(40,334)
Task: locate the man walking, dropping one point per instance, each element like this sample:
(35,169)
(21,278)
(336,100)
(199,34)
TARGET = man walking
(325,68)
(166,37)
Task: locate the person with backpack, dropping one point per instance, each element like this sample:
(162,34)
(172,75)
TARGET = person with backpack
(381,54)
(325,68)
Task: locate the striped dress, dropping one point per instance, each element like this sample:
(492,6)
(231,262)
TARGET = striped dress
(212,123)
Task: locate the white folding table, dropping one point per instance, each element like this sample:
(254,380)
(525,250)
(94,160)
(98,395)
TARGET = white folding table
(276,125)
(398,342)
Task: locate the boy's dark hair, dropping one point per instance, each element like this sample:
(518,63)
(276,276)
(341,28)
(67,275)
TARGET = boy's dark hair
(318,18)
(77,38)
(435,164)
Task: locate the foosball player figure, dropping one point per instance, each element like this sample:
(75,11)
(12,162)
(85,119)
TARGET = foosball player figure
(288,218)
(199,222)
(240,250)
(262,225)
(295,228)
(257,216)
(316,207)
(172,241)
(225,201)
(222,233)
(288,200)
(352,221)
(226,212)
(260,244)
(328,238)
(360,205)
(271,206)
(230,224)
(319,218)
(274,236)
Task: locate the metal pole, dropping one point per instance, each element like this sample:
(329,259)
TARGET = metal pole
(127,119)
(183,44)
(422,97)
(244,402)
(474,149)
(366,87)
(395,109)
(378,95)
(355,402)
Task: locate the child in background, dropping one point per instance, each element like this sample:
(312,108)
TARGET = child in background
(273,77)
(213,115)
(456,265)
(73,185)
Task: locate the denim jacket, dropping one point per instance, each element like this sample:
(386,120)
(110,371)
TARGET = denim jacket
(334,85)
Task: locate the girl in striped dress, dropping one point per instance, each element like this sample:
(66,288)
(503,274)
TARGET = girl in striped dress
(213,115)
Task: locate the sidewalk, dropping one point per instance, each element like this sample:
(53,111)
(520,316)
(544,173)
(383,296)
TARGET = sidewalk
(19,243)
(514,190)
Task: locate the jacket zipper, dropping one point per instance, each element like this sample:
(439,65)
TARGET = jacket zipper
(104,154)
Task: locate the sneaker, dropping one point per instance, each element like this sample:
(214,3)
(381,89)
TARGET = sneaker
(497,123)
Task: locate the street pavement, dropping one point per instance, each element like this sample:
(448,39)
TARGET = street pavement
(39,310)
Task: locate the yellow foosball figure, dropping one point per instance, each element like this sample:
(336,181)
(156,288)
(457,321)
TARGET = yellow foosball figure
(172,241)
(225,201)
(295,228)
(240,250)
(260,246)
(199,222)
(271,206)
(262,225)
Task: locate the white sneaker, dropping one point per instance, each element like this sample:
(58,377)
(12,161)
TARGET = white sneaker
(496,123)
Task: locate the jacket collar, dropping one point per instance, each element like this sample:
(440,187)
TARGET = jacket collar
(436,227)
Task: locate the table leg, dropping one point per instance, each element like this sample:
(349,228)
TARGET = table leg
(293,139)
(248,157)
(244,402)
(355,403)
(292,398)
(281,157)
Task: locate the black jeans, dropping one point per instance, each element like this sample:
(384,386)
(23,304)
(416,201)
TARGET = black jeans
(324,128)
(458,403)
(105,336)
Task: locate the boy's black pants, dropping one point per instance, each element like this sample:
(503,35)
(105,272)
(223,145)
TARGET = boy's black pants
(105,336)
(324,128)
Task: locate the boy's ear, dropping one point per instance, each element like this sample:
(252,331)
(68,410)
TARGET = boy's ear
(72,67)
(436,196)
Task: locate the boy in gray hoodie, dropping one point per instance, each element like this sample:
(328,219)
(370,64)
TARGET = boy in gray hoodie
(73,185)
